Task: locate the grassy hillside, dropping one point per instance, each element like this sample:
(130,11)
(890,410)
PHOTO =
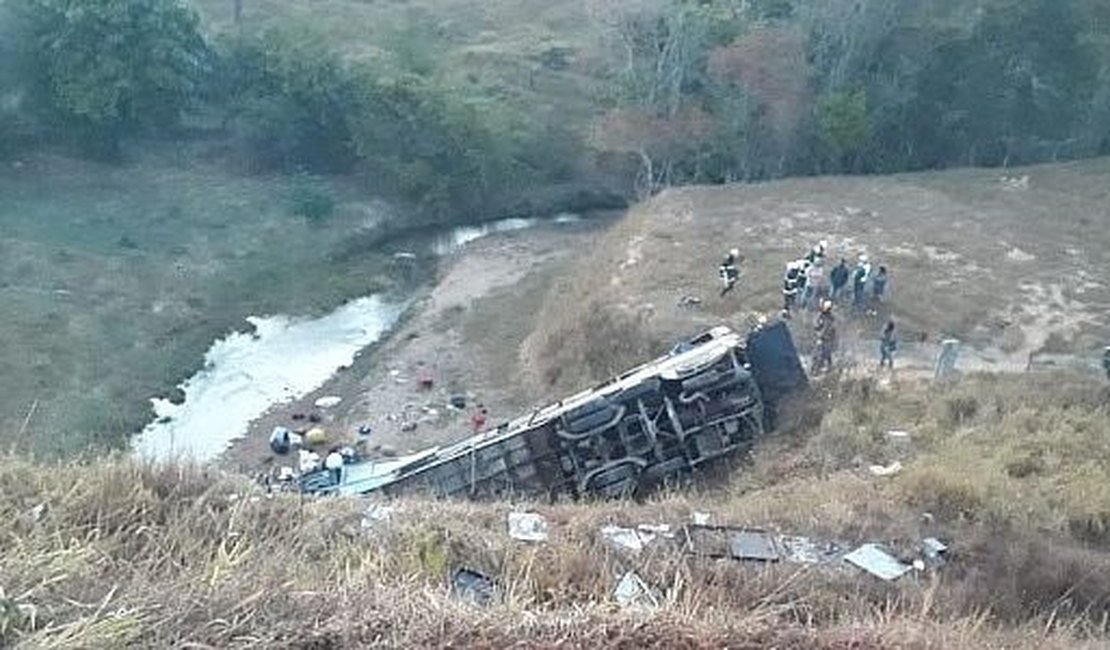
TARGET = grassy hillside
(115,280)
(1011,268)
(123,555)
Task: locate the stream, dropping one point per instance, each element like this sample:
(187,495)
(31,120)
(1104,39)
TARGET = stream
(282,358)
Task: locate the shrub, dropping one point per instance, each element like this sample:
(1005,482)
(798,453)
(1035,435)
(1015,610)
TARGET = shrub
(310,199)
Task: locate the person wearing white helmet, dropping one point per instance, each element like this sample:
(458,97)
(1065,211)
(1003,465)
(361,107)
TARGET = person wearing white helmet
(825,331)
(729,271)
(790,284)
(859,282)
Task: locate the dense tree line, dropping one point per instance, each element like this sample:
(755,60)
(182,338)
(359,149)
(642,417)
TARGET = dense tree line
(689,91)
(96,73)
(716,90)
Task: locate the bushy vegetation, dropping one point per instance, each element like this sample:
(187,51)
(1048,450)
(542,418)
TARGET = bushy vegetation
(679,91)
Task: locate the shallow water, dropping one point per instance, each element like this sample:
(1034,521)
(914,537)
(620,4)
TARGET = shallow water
(247,372)
(282,359)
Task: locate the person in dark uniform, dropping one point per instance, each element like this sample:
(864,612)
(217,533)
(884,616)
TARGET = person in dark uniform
(838,279)
(1106,361)
(729,271)
(887,345)
(790,284)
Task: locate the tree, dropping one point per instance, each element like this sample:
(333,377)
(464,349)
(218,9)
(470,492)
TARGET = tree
(843,120)
(290,101)
(767,65)
(660,143)
(116,64)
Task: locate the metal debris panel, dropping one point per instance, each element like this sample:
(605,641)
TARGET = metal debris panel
(876,561)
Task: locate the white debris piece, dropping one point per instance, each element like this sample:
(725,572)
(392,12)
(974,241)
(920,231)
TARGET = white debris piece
(628,539)
(527,527)
(886,470)
(328,401)
(898,434)
(700,518)
(631,591)
(308,461)
(375,515)
(874,560)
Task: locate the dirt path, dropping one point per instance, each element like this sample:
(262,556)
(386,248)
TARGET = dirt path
(463,336)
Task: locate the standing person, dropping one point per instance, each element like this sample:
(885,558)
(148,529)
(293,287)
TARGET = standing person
(859,283)
(878,285)
(838,279)
(333,462)
(815,286)
(817,253)
(887,346)
(478,420)
(729,271)
(825,331)
(1106,361)
(789,288)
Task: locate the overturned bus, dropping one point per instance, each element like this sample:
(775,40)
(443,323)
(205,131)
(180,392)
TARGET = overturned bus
(706,399)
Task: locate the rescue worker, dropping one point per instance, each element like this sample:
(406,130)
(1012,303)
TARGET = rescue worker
(817,253)
(887,346)
(790,288)
(729,270)
(825,331)
(859,283)
(838,279)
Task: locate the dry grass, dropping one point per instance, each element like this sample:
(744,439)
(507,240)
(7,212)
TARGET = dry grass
(125,554)
(1009,271)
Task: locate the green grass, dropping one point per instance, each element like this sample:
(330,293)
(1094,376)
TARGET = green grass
(117,279)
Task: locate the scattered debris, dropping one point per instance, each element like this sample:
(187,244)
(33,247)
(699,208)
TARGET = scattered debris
(375,514)
(898,435)
(473,587)
(408,426)
(700,518)
(527,527)
(754,545)
(316,436)
(308,461)
(804,550)
(934,551)
(632,591)
(689,301)
(38,513)
(634,540)
(876,561)
(328,401)
(1015,182)
(886,470)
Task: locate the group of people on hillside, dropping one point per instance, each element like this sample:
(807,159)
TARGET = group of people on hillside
(808,286)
